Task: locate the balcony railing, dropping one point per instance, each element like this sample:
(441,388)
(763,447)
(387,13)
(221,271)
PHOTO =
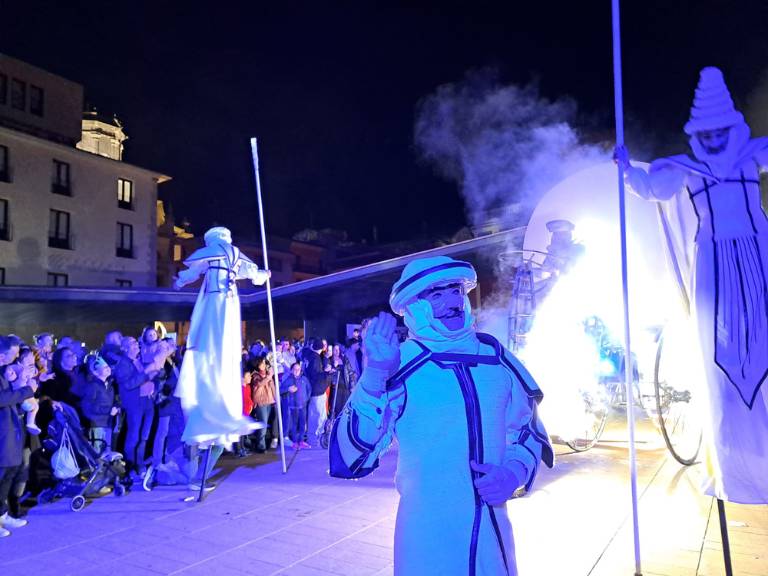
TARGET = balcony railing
(61,189)
(124,252)
(62,243)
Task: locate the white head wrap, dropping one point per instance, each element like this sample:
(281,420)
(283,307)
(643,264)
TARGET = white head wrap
(425,273)
(218,235)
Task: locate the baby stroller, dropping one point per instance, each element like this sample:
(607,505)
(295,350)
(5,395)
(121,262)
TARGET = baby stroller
(95,471)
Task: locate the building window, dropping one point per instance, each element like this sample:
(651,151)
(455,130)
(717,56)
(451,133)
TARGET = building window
(18,94)
(55,279)
(124,240)
(124,283)
(177,253)
(5,171)
(124,194)
(3,89)
(36,100)
(2,276)
(61,179)
(5,221)
(58,230)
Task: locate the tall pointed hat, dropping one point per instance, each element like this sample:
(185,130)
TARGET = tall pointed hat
(712,105)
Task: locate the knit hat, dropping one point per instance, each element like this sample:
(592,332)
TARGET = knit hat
(423,273)
(712,105)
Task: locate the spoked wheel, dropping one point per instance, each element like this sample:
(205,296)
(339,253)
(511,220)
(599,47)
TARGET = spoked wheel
(677,414)
(593,421)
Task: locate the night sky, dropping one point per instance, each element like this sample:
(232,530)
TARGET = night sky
(331,89)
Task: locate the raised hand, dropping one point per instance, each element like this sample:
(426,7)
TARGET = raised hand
(381,348)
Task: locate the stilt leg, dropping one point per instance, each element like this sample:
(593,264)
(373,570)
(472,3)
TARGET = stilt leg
(724,537)
(205,473)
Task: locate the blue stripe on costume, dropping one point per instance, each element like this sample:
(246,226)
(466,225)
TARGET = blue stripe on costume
(353,425)
(338,468)
(427,272)
(475,437)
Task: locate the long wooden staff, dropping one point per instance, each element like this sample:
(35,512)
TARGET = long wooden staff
(628,372)
(255,157)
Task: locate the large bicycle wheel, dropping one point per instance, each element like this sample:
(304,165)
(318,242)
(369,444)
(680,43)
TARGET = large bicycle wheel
(592,421)
(677,412)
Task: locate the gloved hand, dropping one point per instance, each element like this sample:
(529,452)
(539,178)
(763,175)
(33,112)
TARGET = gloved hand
(381,351)
(621,157)
(381,348)
(498,483)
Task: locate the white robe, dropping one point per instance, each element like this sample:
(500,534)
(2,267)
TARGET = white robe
(209,384)
(724,269)
(447,408)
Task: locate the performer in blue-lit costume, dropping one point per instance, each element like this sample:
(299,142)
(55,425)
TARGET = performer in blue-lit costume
(721,252)
(210,385)
(464,411)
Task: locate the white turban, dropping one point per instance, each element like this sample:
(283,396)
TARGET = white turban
(404,300)
(218,235)
(424,273)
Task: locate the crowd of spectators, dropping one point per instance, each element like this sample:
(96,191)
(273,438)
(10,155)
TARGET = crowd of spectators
(315,380)
(123,393)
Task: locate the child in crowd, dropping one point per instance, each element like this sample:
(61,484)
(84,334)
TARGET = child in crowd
(295,389)
(263,394)
(153,350)
(18,377)
(241,448)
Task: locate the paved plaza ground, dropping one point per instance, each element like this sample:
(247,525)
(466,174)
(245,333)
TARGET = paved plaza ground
(261,522)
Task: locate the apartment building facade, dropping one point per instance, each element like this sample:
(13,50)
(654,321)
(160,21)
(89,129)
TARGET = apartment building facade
(68,216)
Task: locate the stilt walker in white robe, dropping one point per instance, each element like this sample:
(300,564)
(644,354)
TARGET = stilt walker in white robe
(724,267)
(210,380)
(464,411)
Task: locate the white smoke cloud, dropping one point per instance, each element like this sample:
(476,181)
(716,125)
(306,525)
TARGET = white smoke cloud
(756,110)
(504,145)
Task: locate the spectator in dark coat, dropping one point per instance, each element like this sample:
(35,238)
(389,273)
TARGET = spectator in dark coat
(354,354)
(295,391)
(136,390)
(66,385)
(111,350)
(170,422)
(341,371)
(11,436)
(317,374)
(99,403)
